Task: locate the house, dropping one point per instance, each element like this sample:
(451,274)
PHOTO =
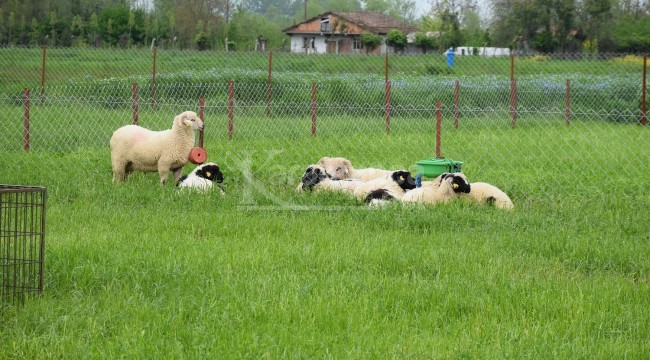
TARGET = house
(340,33)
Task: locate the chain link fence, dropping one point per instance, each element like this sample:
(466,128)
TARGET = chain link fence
(543,117)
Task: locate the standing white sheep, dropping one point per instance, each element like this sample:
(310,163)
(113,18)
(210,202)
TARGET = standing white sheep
(134,148)
(441,190)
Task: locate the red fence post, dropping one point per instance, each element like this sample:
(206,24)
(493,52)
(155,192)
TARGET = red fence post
(26,144)
(202,117)
(456,106)
(231,95)
(567,107)
(513,92)
(386,66)
(313,109)
(153,79)
(43,75)
(268,84)
(134,91)
(438,127)
(387,109)
(643,91)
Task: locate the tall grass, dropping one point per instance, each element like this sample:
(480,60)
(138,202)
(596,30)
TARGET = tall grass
(139,270)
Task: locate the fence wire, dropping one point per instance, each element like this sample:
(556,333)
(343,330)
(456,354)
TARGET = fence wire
(286,110)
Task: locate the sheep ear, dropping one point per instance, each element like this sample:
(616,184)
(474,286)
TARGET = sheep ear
(348,166)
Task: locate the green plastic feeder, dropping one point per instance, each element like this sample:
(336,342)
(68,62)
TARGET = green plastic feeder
(434,167)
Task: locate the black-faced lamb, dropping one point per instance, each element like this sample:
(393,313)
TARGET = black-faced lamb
(202,178)
(316,178)
(442,189)
(134,148)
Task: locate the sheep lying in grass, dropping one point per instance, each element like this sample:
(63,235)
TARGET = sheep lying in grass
(202,178)
(441,190)
(134,148)
(339,168)
(315,178)
(485,193)
(396,186)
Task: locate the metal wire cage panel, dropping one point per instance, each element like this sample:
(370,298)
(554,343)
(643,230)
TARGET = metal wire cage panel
(22,242)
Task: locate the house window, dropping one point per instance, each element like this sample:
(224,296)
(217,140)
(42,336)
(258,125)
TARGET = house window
(308,42)
(357,44)
(325,25)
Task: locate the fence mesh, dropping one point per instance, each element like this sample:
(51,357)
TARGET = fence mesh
(543,113)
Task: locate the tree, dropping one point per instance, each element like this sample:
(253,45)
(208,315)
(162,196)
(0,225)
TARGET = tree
(370,41)
(398,9)
(424,41)
(396,39)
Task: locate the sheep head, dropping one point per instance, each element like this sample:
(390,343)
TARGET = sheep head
(312,176)
(404,179)
(457,182)
(190,120)
(211,172)
(336,168)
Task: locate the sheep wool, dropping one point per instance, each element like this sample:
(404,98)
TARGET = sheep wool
(442,189)
(339,168)
(316,178)
(485,193)
(134,148)
(201,178)
(394,187)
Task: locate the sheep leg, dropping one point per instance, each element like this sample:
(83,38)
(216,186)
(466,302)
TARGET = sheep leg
(119,171)
(177,173)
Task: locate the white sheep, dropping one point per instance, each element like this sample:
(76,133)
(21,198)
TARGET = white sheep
(339,168)
(315,178)
(394,187)
(442,189)
(134,148)
(202,178)
(485,193)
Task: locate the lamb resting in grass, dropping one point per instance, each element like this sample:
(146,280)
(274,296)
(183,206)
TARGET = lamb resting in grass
(339,168)
(441,190)
(315,178)
(202,178)
(485,193)
(134,148)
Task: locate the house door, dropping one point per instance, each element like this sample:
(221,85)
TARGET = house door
(331,47)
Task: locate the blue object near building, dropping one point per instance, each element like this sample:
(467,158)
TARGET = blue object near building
(450,57)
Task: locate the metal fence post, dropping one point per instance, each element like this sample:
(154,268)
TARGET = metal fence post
(643,91)
(313,109)
(387,109)
(153,79)
(268,84)
(134,91)
(513,92)
(438,127)
(567,107)
(202,117)
(43,75)
(456,103)
(26,144)
(231,95)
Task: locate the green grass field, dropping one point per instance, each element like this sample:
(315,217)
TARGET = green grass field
(137,270)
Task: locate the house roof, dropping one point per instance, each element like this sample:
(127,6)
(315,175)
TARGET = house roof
(370,21)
